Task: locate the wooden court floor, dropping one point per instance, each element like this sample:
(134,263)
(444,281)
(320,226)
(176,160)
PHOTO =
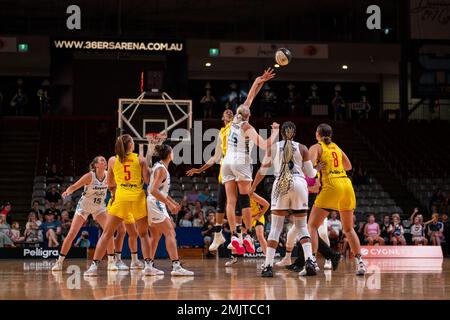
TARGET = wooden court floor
(33,279)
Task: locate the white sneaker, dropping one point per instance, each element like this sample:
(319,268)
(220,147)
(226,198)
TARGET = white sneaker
(360,267)
(218,241)
(327,265)
(92,271)
(112,266)
(122,266)
(284,262)
(137,265)
(316,264)
(150,270)
(58,266)
(181,272)
(249,244)
(232,261)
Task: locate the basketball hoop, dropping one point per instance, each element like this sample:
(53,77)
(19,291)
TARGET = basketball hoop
(156,138)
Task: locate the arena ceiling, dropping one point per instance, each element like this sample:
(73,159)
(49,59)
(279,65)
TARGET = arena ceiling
(246,19)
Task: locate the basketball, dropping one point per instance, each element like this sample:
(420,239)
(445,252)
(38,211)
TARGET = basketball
(283,56)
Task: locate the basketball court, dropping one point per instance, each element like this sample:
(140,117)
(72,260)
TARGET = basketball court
(34,280)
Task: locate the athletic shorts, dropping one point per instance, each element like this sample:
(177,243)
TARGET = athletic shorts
(221,199)
(295,199)
(85,214)
(336,194)
(260,222)
(157,211)
(129,211)
(236,172)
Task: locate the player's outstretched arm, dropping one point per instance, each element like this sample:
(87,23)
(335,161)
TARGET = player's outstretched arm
(213,160)
(84,180)
(257,139)
(257,85)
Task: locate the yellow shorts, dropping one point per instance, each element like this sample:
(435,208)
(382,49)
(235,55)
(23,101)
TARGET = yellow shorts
(336,194)
(261,221)
(129,211)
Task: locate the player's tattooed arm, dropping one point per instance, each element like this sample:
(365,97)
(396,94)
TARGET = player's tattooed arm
(213,160)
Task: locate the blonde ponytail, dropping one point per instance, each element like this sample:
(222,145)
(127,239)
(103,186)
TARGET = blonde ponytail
(121,146)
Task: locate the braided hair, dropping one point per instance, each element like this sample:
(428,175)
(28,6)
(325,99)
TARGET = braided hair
(285,179)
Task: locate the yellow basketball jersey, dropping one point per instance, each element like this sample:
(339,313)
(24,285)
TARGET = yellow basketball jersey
(224,132)
(128,178)
(254,207)
(332,156)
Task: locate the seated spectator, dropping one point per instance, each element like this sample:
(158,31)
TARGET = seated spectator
(15,233)
(334,229)
(55,211)
(418,232)
(53,197)
(446,223)
(385,229)
(437,200)
(372,232)
(396,231)
(207,233)
(36,208)
(198,220)
(5,233)
(65,223)
(70,207)
(83,240)
(192,196)
(183,210)
(435,230)
(186,221)
(6,210)
(52,229)
(205,197)
(54,175)
(32,228)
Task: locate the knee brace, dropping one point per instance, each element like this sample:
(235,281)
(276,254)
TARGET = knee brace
(323,232)
(291,237)
(244,201)
(276,227)
(302,229)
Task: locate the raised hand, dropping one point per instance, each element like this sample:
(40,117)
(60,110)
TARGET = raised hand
(275,126)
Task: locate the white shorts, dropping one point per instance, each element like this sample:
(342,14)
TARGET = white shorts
(157,211)
(236,172)
(85,214)
(296,199)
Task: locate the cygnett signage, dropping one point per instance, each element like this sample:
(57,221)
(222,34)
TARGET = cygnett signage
(144,46)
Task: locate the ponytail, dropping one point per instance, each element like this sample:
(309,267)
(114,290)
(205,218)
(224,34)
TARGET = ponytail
(285,179)
(325,132)
(242,113)
(121,146)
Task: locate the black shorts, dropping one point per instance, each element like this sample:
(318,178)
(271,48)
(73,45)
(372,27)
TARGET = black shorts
(221,198)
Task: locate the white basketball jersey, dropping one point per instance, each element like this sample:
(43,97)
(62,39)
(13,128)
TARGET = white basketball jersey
(238,149)
(93,197)
(165,186)
(295,165)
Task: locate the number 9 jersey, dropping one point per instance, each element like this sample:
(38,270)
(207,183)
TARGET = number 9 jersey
(336,191)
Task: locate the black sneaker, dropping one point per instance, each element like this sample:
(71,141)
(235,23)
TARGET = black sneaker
(294,267)
(310,268)
(267,272)
(335,259)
